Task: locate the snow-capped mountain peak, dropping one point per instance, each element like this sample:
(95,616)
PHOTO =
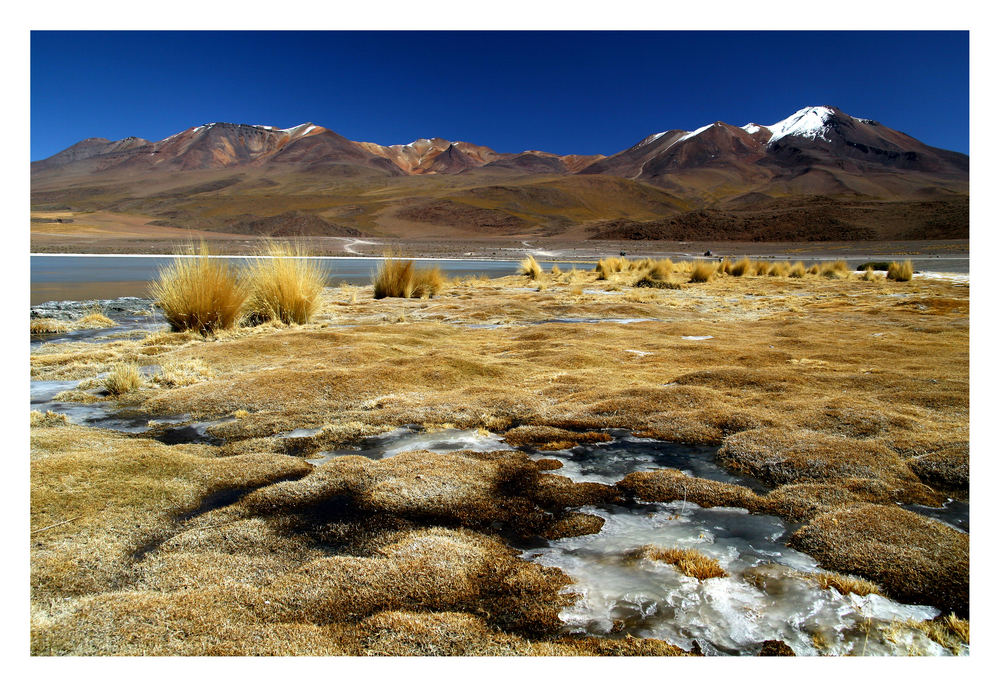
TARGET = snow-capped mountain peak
(809,122)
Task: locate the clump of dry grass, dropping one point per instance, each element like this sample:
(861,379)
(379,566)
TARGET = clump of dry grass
(900,272)
(725,266)
(47,419)
(95,320)
(530,268)
(283,285)
(123,378)
(834,270)
(48,325)
(869,275)
(702,272)
(742,268)
(603,270)
(761,268)
(690,562)
(797,271)
(845,584)
(779,269)
(182,373)
(200,293)
(398,278)
(658,276)
(556,271)
(813,269)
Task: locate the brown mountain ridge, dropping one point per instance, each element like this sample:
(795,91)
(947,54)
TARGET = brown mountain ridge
(819,174)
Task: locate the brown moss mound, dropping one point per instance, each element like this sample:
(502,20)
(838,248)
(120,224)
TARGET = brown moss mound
(552,438)
(575,525)
(914,558)
(674,485)
(947,468)
(779,457)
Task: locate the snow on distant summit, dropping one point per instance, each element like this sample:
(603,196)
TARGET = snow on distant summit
(809,122)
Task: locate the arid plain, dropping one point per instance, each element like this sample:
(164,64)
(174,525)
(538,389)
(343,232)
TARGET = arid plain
(845,397)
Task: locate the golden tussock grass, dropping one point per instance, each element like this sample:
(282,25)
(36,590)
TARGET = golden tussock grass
(761,268)
(702,271)
(399,278)
(900,272)
(177,373)
(835,270)
(743,268)
(797,271)
(556,271)
(95,320)
(813,269)
(725,266)
(283,285)
(123,378)
(869,275)
(779,269)
(200,293)
(845,584)
(531,269)
(690,562)
(48,325)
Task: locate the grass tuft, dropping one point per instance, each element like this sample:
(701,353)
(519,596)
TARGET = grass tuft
(900,272)
(200,293)
(398,278)
(690,562)
(123,378)
(48,325)
(743,268)
(95,320)
(702,271)
(283,285)
(797,271)
(531,268)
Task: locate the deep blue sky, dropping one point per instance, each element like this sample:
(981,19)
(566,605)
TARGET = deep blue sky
(563,92)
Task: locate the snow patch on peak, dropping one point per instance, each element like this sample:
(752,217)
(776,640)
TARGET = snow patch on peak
(809,122)
(649,139)
(692,134)
(300,130)
(751,128)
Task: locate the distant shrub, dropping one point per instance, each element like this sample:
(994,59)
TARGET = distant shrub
(834,270)
(742,268)
(813,269)
(797,271)
(556,271)
(200,293)
(761,268)
(883,266)
(398,278)
(531,268)
(702,271)
(123,378)
(898,272)
(283,285)
(779,269)
(95,320)
(870,275)
(725,266)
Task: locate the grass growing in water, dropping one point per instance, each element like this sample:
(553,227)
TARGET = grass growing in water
(900,272)
(283,285)
(48,325)
(690,562)
(200,293)
(398,278)
(123,378)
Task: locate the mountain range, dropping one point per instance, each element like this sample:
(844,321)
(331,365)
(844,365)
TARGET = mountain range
(819,174)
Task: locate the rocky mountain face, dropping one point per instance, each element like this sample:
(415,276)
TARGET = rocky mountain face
(816,153)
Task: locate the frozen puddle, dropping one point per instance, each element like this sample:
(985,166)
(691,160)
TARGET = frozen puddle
(412,439)
(723,615)
(609,461)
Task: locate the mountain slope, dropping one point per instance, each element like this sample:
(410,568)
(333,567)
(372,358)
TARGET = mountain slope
(802,176)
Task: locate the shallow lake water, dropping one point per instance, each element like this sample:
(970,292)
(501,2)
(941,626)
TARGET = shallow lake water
(78,277)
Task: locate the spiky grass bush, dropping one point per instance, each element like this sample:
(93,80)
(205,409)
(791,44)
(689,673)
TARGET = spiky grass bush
(95,320)
(702,271)
(900,272)
(725,266)
(283,285)
(556,271)
(123,378)
(870,275)
(779,269)
(398,278)
(813,269)
(834,270)
(797,271)
(743,268)
(603,270)
(48,325)
(200,293)
(530,268)
(761,268)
